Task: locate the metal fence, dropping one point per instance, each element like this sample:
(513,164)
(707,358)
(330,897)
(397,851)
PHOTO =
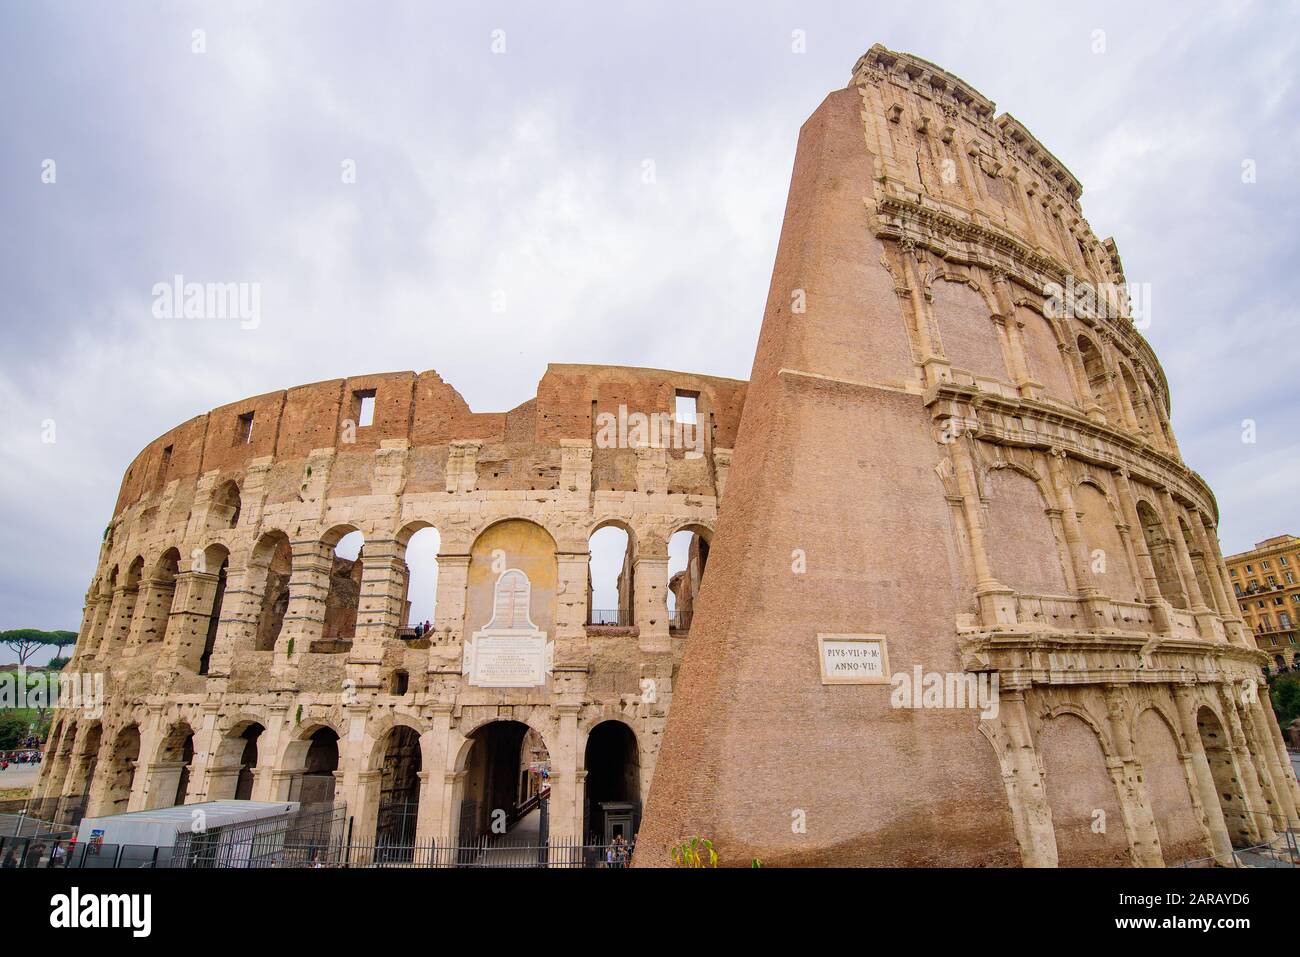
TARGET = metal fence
(64,852)
(447,854)
(620,617)
(1283,852)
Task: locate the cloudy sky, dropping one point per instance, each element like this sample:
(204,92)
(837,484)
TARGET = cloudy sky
(516,176)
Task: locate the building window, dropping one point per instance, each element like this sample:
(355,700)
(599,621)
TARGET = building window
(365,405)
(1270,581)
(1232,572)
(244,435)
(684,410)
(1264,564)
(1282,561)
(1277,600)
(1236,587)
(1290,578)
(1249,569)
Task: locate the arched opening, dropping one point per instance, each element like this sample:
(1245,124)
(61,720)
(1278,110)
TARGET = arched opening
(688,554)
(162,593)
(315,783)
(399,789)
(1163,773)
(1043,348)
(1094,368)
(274,552)
(506,767)
(1161,549)
(344,594)
(1085,808)
(1023,548)
(81,774)
(245,779)
(1198,564)
(170,782)
(612,804)
(1137,401)
(217,559)
(121,770)
(1107,556)
(610,598)
(100,627)
(419,605)
(1219,755)
(59,759)
(224,511)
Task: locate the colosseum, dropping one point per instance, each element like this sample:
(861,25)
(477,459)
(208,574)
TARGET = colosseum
(953,459)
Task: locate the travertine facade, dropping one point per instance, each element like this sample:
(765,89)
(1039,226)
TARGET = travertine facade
(244,659)
(931,449)
(946,443)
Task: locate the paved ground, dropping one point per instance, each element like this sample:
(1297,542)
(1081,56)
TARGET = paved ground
(19,776)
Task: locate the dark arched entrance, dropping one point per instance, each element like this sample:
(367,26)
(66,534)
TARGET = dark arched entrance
(612,805)
(1226,786)
(500,793)
(399,789)
(315,785)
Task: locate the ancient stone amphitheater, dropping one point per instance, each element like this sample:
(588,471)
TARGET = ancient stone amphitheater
(955,443)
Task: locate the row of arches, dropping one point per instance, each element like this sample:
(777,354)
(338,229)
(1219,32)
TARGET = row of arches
(1134,546)
(1077,368)
(501,770)
(141,610)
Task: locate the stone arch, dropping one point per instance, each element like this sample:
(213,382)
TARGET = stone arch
(611,567)
(1165,775)
(1231,795)
(270,570)
(1086,815)
(1137,401)
(1198,559)
(1099,521)
(119,772)
(1024,550)
(213,560)
(688,559)
(223,512)
(1098,378)
(1045,355)
(971,340)
(172,767)
(81,769)
(156,609)
(312,758)
(398,758)
(612,760)
(236,758)
(343,591)
(1161,549)
(512,544)
(418,545)
(494,782)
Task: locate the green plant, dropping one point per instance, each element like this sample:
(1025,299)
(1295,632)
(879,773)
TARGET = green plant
(297,717)
(692,853)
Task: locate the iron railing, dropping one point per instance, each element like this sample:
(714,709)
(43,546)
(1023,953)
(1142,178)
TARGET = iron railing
(618,617)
